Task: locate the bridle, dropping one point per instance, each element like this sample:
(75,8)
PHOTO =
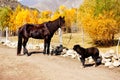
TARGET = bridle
(60,23)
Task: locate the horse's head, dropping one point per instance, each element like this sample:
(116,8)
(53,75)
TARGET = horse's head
(61,21)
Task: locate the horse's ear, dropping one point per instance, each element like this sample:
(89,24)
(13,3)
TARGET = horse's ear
(63,17)
(60,17)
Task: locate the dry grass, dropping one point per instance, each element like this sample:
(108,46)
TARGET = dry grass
(76,38)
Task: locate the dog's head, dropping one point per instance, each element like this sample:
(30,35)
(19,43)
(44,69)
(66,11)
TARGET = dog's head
(77,48)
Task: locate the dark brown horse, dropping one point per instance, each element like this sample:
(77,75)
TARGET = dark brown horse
(38,31)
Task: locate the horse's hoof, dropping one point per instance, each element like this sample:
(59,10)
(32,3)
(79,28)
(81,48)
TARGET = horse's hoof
(95,65)
(44,53)
(28,54)
(19,54)
(48,54)
(25,52)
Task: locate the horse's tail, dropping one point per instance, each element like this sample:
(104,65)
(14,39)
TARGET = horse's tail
(19,46)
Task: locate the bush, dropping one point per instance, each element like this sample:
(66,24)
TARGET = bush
(102,28)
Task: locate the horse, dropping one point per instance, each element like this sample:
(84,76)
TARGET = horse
(44,31)
(87,52)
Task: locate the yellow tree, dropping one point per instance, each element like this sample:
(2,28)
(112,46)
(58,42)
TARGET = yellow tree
(12,24)
(44,16)
(100,27)
(5,13)
(35,16)
(105,27)
(70,18)
(85,12)
(62,10)
(22,16)
(55,15)
(59,12)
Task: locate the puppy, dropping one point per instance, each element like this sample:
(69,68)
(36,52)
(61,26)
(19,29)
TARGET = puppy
(84,53)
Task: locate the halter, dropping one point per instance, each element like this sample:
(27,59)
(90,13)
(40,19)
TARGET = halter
(59,23)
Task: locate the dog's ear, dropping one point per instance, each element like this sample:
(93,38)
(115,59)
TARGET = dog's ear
(78,46)
(75,47)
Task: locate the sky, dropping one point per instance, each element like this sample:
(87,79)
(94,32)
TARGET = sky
(50,4)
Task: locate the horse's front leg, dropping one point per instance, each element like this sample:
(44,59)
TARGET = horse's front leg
(25,51)
(48,46)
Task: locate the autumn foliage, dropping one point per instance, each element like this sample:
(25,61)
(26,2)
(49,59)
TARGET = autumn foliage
(101,26)
(99,18)
(21,16)
(4,17)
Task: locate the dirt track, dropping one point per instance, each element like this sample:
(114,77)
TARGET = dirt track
(43,67)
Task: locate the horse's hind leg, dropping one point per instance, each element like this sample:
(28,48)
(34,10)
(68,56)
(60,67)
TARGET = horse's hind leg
(48,46)
(45,44)
(95,59)
(19,47)
(25,51)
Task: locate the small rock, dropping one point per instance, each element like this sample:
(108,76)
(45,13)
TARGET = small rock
(108,60)
(71,53)
(116,63)
(108,55)
(103,60)
(115,56)
(63,51)
(108,64)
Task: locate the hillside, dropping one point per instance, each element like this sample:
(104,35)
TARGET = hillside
(12,3)
(51,4)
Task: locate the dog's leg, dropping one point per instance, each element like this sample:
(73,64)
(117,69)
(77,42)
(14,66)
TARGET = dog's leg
(78,56)
(83,62)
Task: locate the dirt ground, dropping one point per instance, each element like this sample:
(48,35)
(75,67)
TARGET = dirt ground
(43,67)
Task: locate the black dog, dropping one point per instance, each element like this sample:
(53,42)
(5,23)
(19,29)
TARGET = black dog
(84,53)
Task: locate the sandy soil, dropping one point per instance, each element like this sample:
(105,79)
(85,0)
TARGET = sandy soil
(43,67)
